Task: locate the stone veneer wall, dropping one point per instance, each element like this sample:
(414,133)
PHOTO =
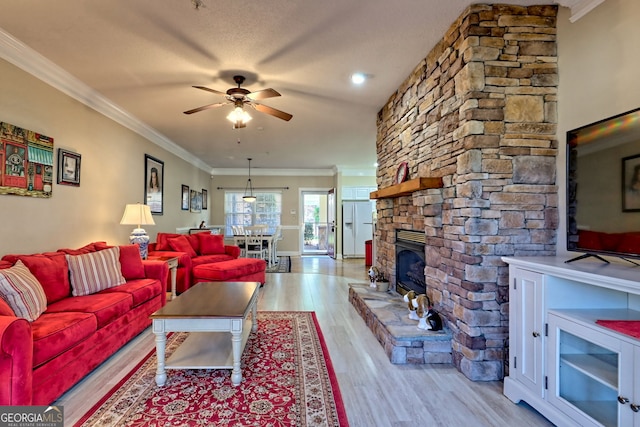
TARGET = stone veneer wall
(480,112)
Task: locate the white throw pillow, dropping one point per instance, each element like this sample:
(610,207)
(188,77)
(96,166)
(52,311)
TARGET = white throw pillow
(22,291)
(95,271)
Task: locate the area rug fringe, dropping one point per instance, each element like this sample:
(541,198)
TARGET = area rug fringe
(288,380)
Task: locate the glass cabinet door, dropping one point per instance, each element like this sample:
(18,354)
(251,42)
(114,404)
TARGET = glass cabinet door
(586,378)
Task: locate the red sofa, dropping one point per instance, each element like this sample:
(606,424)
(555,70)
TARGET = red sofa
(192,250)
(43,358)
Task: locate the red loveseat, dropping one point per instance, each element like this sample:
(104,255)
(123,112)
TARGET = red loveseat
(42,358)
(192,250)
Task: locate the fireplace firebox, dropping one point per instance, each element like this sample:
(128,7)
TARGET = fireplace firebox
(410,261)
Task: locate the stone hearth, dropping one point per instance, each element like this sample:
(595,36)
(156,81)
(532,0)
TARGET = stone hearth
(386,314)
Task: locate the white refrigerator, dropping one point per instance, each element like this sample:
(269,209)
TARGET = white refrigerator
(357,227)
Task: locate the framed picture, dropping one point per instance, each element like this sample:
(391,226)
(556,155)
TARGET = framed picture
(631,184)
(196,201)
(204,199)
(68,168)
(185,198)
(153,183)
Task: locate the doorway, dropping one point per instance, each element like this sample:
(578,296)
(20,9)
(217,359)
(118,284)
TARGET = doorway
(315,226)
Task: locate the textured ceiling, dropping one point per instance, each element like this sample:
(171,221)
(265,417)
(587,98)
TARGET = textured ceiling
(144,56)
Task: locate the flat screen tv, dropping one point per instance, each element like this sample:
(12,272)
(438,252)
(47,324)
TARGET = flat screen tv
(603,188)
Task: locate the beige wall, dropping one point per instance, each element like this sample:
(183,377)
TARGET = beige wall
(112,173)
(599,63)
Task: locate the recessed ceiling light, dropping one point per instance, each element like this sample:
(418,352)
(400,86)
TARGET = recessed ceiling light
(358,78)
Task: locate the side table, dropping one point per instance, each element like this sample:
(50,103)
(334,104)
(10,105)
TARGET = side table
(172,262)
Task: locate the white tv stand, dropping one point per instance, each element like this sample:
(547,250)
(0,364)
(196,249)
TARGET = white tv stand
(570,369)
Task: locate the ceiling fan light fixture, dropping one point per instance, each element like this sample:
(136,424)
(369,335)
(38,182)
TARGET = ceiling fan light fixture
(239,116)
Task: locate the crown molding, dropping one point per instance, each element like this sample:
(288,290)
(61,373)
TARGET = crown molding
(270,172)
(579,8)
(22,56)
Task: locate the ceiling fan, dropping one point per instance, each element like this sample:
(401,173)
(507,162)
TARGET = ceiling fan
(240,97)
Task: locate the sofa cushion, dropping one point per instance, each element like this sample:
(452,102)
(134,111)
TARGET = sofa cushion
(93,272)
(162,243)
(181,244)
(22,292)
(211,244)
(86,249)
(194,242)
(131,262)
(52,272)
(228,270)
(210,259)
(54,333)
(5,309)
(105,306)
(141,290)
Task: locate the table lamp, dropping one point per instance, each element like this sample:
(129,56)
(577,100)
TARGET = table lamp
(138,215)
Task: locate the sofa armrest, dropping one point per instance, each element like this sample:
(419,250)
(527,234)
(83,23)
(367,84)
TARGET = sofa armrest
(16,361)
(158,270)
(232,250)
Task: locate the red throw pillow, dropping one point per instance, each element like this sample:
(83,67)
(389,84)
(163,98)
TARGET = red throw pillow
(194,242)
(162,241)
(52,272)
(211,244)
(181,244)
(131,262)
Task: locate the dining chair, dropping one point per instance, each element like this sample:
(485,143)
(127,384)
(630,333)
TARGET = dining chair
(254,242)
(239,239)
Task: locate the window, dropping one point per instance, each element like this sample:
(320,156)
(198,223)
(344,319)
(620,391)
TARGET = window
(267,209)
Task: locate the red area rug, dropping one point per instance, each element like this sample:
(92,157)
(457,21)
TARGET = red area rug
(288,380)
(627,327)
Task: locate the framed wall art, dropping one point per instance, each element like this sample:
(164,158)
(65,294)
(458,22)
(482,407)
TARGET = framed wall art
(68,168)
(26,162)
(204,199)
(153,184)
(631,184)
(185,198)
(196,201)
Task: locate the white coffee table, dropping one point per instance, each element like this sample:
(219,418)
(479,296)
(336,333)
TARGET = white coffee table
(217,316)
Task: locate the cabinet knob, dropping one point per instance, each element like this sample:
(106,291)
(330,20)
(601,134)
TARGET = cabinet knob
(635,408)
(623,400)
(536,334)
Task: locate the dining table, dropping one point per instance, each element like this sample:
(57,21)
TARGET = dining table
(239,239)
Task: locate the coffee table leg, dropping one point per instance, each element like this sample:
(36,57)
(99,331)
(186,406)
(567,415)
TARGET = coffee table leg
(161,342)
(254,317)
(236,342)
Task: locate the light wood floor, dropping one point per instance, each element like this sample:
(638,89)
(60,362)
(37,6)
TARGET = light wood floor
(375,392)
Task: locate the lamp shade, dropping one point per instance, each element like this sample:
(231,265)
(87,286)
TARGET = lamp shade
(137,214)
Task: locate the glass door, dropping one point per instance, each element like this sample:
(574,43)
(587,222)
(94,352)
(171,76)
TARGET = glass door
(586,379)
(315,228)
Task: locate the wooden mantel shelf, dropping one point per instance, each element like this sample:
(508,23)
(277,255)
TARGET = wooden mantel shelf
(406,188)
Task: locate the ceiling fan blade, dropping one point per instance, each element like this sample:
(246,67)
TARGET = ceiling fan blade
(262,94)
(206,107)
(272,111)
(210,90)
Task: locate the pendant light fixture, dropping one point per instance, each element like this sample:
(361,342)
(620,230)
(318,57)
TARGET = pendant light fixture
(248,195)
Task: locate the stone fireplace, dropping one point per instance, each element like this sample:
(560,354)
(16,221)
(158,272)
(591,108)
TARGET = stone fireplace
(410,262)
(479,112)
